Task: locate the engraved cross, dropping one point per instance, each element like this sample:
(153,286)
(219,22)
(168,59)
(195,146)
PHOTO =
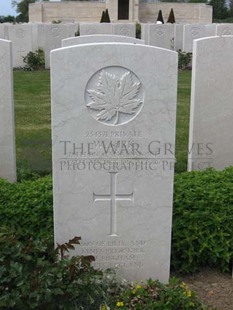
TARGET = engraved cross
(113,197)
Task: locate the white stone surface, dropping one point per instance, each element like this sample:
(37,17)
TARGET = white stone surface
(193,32)
(72,29)
(95,28)
(224,29)
(2,31)
(113,135)
(123,29)
(7,128)
(211,126)
(99,38)
(144,32)
(21,37)
(161,35)
(178,37)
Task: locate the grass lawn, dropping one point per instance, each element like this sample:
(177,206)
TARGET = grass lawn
(33,118)
(182,120)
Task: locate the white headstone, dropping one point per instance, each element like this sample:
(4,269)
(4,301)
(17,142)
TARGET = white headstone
(178,37)
(113,123)
(211,126)
(161,35)
(128,30)
(95,28)
(22,42)
(193,32)
(7,128)
(224,30)
(99,38)
(2,31)
(50,37)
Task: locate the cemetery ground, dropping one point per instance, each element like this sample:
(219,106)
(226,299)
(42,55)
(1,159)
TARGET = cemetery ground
(202,203)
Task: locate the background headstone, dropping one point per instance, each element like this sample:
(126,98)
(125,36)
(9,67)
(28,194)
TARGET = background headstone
(161,35)
(194,32)
(211,126)
(2,31)
(7,127)
(51,35)
(144,32)
(224,30)
(178,37)
(99,38)
(113,122)
(95,28)
(22,44)
(128,30)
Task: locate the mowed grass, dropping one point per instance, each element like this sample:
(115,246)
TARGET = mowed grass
(33,120)
(182,120)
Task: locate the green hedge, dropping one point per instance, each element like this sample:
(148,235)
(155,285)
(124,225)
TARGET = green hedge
(27,207)
(202,218)
(31,276)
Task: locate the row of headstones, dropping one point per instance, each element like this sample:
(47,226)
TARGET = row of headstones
(180,37)
(113,141)
(30,37)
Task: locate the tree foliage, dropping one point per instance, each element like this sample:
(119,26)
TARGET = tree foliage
(7,19)
(219,9)
(22,8)
(230,7)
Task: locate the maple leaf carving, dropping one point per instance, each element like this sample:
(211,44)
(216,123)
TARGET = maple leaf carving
(114,96)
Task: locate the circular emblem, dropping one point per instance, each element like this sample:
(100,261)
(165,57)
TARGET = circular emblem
(114,96)
(195,31)
(124,31)
(55,31)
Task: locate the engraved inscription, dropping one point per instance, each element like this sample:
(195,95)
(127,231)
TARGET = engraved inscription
(115,98)
(113,134)
(113,197)
(115,253)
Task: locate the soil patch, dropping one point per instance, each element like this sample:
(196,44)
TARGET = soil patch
(214,288)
